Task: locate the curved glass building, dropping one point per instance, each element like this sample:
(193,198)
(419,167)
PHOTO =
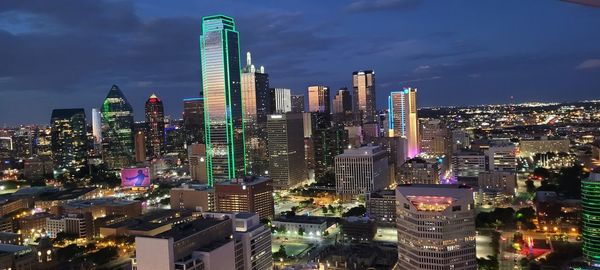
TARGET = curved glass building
(590,200)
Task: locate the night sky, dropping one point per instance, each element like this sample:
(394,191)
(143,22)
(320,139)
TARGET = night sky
(68,53)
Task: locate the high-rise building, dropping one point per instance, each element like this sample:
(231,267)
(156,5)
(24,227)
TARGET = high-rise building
(255,93)
(193,120)
(342,106)
(257,102)
(297,103)
(117,130)
(436,227)
(69,141)
(364,96)
(590,201)
(419,171)
(361,170)
(155,121)
(252,240)
(281,100)
(97,128)
(435,138)
(327,143)
(287,167)
(501,156)
(221,83)
(402,120)
(204,243)
(192,197)
(140,146)
(468,163)
(247,194)
(197,162)
(319,99)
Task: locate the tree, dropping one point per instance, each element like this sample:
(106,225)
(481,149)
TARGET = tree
(324,209)
(357,211)
(489,263)
(281,253)
(541,172)
(530,186)
(301,231)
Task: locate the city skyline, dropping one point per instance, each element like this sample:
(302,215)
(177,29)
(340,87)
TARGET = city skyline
(452,63)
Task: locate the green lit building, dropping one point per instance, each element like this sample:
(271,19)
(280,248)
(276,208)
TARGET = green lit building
(117,130)
(68,141)
(223,112)
(590,200)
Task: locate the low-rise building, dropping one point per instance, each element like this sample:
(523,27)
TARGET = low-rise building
(530,147)
(80,225)
(193,197)
(381,207)
(358,229)
(16,257)
(102,207)
(506,182)
(311,225)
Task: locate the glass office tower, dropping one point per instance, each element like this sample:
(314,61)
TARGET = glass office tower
(221,84)
(403,120)
(69,141)
(590,202)
(117,130)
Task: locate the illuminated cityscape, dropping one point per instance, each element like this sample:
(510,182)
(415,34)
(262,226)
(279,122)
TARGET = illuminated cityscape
(465,152)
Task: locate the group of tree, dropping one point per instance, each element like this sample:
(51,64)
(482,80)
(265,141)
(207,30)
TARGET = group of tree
(506,218)
(331,209)
(358,211)
(566,181)
(281,253)
(489,263)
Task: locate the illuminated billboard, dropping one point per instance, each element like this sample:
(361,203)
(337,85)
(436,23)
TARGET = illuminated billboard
(135,177)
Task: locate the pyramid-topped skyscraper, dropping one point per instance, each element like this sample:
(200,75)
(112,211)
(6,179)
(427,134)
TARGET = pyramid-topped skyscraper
(117,130)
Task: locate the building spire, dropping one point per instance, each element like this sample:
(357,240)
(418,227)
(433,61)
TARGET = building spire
(248,59)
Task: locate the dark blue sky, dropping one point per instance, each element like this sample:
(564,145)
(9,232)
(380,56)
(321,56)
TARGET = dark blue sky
(68,53)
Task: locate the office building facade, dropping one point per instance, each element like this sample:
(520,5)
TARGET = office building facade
(363,84)
(117,130)
(69,141)
(436,227)
(402,120)
(286,150)
(361,170)
(193,120)
(155,122)
(248,194)
(297,103)
(223,109)
(281,100)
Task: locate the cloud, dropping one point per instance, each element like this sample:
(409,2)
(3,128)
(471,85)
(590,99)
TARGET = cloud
(381,5)
(589,64)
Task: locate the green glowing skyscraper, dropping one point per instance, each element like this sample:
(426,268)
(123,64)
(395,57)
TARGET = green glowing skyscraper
(590,201)
(117,130)
(223,111)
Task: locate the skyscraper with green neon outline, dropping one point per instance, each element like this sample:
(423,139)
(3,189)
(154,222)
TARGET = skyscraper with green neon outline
(223,111)
(117,130)
(590,201)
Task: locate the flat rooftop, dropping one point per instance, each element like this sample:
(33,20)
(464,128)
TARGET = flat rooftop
(184,230)
(303,219)
(66,194)
(362,151)
(99,202)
